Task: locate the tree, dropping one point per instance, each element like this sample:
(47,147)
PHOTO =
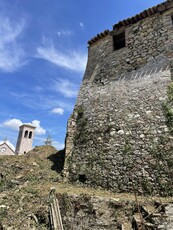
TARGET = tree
(48,140)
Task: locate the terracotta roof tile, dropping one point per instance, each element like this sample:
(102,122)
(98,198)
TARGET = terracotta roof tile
(129,21)
(146,13)
(96,38)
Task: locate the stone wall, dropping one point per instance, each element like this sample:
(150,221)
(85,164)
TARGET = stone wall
(147,43)
(118,135)
(100,213)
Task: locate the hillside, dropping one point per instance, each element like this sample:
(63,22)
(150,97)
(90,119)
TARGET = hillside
(25,183)
(24,187)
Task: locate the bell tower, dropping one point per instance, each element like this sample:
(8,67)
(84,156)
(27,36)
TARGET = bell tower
(25,139)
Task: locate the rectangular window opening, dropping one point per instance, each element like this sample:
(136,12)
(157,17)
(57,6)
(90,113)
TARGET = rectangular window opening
(119,41)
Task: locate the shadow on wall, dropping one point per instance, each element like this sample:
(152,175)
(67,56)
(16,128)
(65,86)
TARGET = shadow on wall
(58,161)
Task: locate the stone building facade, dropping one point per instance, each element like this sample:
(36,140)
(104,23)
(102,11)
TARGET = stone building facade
(5,149)
(120,132)
(24,141)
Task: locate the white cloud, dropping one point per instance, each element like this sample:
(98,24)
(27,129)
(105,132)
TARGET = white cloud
(39,130)
(73,60)
(44,102)
(59,111)
(12,56)
(66,105)
(66,88)
(15,123)
(38,89)
(81,25)
(62,33)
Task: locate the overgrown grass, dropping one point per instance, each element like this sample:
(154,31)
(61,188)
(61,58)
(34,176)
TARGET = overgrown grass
(25,185)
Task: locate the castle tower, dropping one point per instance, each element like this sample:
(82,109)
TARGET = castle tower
(25,139)
(119,126)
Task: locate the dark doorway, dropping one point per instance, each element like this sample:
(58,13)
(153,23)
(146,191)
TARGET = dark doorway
(82,178)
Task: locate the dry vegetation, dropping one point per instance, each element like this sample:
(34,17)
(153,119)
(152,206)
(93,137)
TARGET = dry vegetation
(25,182)
(24,186)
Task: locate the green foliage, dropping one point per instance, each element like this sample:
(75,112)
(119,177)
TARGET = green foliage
(147,186)
(126,148)
(32,190)
(5,185)
(2,185)
(168,111)
(65,203)
(81,122)
(170,92)
(79,111)
(31,177)
(162,166)
(3,213)
(168,108)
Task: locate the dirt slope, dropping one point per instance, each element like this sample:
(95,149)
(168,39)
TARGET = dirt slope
(25,182)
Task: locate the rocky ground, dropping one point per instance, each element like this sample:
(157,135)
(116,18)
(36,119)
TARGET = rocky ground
(24,187)
(25,183)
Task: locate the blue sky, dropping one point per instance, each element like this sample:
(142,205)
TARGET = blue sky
(43,54)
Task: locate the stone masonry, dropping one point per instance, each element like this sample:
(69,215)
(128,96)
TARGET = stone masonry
(119,135)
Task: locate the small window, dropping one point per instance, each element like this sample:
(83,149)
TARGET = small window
(82,178)
(30,134)
(119,41)
(26,134)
